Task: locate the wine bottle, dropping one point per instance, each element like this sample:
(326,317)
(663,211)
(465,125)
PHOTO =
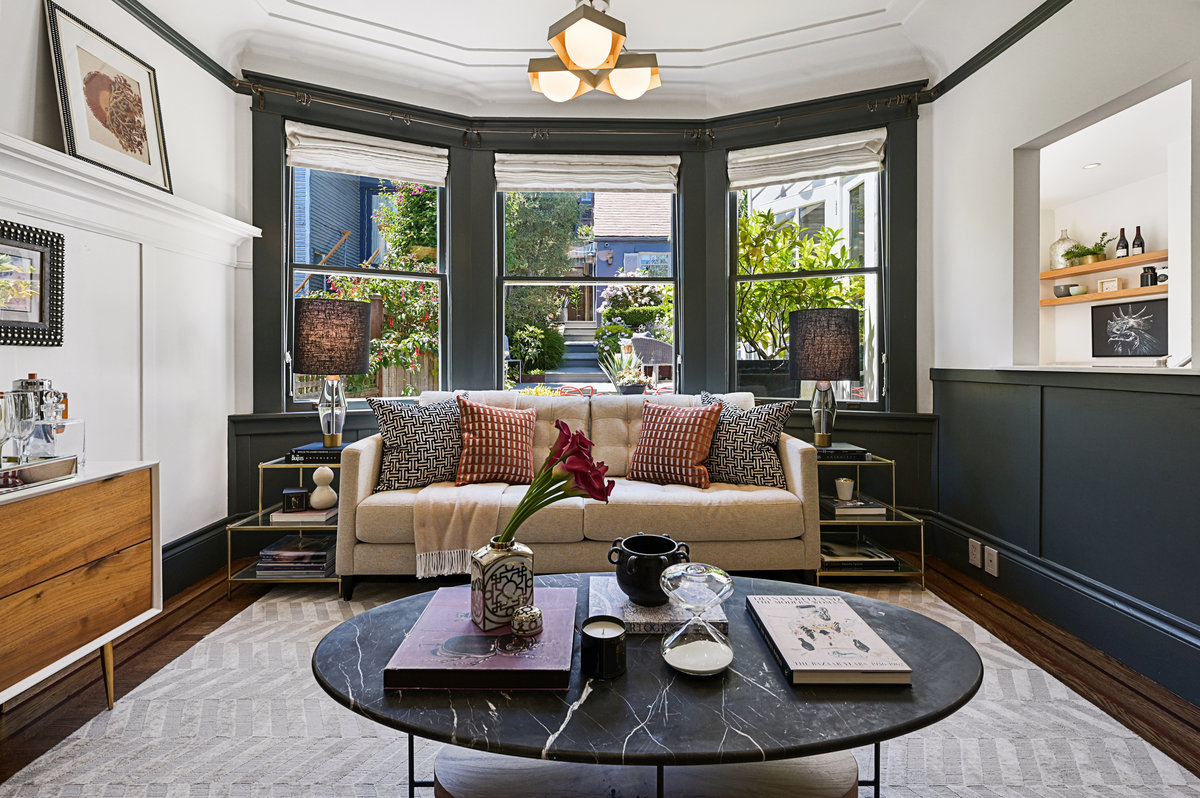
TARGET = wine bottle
(1139,246)
(1122,246)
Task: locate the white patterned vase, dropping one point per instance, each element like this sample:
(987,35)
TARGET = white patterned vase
(501,581)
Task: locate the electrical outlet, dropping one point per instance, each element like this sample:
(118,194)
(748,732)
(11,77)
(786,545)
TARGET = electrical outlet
(991,561)
(975,552)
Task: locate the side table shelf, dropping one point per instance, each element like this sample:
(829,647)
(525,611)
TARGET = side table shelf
(260,521)
(850,530)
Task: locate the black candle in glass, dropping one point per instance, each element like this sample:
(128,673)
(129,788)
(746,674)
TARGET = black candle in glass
(602,647)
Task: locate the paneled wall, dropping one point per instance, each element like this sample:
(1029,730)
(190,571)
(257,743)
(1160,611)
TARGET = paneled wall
(1086,485)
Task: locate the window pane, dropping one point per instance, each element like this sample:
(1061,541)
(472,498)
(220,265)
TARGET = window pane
(857,224)
(763,308)
(382,226)
(560,334)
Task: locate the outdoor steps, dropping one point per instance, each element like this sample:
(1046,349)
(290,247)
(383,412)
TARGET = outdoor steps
(579,331)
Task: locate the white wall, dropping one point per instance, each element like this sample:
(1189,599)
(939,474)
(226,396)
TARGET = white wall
(150,355)
(966,172)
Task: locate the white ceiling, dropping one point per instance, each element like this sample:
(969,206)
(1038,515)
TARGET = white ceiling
(1129,146)
(717,57)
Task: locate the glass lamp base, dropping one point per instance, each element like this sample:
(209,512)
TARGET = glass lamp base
(331,410)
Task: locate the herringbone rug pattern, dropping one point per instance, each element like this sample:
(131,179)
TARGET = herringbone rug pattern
(240,715)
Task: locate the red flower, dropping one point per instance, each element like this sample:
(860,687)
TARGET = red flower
(584,476)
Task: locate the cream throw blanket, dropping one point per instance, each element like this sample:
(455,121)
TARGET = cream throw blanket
(451,522)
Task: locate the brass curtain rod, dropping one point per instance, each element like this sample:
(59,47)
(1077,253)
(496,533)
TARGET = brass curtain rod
(700,135)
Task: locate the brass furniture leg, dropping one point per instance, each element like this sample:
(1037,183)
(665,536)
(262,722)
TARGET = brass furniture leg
(106,661)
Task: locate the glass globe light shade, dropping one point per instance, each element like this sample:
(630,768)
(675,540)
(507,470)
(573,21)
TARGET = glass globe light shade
(558,86)
(629,84)
(588,44)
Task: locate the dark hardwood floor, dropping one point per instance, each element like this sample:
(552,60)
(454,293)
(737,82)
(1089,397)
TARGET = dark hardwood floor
(39,719)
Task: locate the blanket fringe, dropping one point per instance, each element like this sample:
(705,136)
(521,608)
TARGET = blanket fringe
(443,563)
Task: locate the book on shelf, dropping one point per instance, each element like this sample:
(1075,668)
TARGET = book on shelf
(300,549)
(446,650)
(305,516)
(850,554)
(294,571)
(316,453)
(822,640)
(859,505)
(605,597)
(847,452)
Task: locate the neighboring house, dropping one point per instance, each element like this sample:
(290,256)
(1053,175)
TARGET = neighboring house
(849,203)
(633,230)
(327,204)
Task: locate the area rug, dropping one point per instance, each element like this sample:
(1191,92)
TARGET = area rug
(240,715)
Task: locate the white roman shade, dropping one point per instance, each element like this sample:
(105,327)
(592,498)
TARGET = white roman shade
(353,153)
(538,172)
(810,159)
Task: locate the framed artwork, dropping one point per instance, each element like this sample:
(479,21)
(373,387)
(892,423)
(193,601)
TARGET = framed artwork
(1111,284)
(108,100)
(1130,329)
(31,286)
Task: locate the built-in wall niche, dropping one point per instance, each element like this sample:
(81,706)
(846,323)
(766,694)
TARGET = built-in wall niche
(1130,168)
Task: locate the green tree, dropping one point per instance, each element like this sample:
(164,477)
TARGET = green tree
(539,231)
(767,247)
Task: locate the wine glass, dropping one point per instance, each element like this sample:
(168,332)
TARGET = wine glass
(4,434)
(20,413)
(697,647)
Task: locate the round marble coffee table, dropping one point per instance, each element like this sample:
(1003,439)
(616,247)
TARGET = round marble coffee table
(747,726)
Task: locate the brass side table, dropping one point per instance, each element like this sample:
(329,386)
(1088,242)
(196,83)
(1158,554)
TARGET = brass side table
(849,530)
(261,522)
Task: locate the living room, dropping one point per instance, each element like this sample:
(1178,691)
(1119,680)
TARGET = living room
(1005,427)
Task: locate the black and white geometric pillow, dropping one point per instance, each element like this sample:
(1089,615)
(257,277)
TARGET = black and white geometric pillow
(744,447)
(421,444)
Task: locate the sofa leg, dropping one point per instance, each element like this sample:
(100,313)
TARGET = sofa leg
(346,589)
(807,577)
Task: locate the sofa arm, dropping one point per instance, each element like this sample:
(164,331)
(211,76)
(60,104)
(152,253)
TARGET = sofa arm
(360,473)
(800,467)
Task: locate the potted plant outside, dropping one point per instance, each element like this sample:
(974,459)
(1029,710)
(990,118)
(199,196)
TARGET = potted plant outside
(625,372)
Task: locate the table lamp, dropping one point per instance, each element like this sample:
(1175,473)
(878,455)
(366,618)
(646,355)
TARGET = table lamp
(332,337)
(823,345)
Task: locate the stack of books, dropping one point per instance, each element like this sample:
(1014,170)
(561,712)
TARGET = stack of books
(853,553)
(859,505)
(843,452)
(298,557)
(316,453)
(302,517)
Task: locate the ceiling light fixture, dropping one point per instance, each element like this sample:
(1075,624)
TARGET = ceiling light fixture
(589,39)
(1091,165)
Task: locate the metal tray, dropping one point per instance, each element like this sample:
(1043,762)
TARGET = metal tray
(39,472)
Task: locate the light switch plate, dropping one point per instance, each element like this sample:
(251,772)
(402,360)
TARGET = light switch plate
(975,552)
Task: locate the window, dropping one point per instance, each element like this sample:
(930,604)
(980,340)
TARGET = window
(574,292)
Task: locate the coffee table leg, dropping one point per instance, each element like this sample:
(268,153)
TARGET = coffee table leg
(873,782)
(660,781)
(413,784)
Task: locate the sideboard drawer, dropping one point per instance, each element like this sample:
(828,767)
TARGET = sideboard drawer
(46,536)
(49,620)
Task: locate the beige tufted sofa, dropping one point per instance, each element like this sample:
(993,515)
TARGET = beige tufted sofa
(738,527)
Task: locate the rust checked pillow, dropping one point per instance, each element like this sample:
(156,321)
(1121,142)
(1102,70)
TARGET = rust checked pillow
(673,444)
(497,444)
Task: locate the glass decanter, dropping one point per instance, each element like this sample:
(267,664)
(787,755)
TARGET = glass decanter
(697,647)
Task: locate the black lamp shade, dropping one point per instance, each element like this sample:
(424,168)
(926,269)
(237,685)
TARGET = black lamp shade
(823,344)
(332,336)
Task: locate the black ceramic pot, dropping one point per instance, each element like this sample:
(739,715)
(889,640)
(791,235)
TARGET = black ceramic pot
(640,561)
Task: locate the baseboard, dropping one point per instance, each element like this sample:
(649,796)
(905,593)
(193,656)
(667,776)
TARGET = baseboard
(191,558)
(1161,646)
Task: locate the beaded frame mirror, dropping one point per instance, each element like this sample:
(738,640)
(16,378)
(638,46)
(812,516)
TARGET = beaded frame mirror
(31,286)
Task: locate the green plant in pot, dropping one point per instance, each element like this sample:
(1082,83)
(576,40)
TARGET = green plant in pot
(625,372)
(1080,254)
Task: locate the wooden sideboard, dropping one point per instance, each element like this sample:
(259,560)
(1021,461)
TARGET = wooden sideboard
(82,566)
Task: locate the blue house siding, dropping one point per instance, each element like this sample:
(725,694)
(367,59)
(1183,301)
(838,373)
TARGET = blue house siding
(622,250)
(335,204)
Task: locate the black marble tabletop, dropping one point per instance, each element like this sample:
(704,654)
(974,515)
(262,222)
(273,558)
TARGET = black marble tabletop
(654,715)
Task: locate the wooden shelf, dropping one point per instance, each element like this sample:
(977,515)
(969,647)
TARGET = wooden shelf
(1107,296)
(1144,259)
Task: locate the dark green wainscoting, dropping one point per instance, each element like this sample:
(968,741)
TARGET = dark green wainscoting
(1086,484)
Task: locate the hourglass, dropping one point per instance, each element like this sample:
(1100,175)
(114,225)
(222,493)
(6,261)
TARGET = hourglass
(697,647)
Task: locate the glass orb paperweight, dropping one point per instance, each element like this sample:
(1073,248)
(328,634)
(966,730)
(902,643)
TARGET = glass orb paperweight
(697,647)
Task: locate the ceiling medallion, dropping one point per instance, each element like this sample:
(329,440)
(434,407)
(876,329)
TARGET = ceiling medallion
(589,39)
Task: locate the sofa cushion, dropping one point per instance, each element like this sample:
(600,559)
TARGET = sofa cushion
(673,443)
(573,410)
(421,444)
(497,444)
(561,522)
(745,445)
(386,517)
(617,422)
(719,512)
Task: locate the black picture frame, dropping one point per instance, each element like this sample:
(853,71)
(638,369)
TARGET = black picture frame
(1130,329)
(31,286)
(108,101)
